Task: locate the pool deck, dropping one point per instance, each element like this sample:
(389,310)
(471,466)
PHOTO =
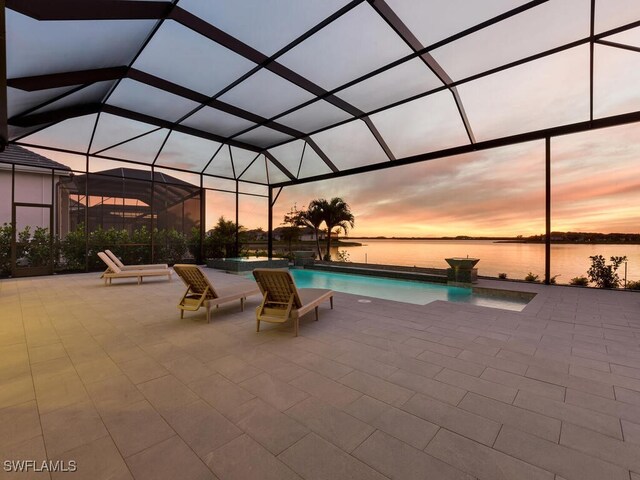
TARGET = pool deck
(111,378)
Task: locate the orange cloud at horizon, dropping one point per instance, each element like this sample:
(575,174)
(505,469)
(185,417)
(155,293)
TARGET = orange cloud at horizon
(499,192)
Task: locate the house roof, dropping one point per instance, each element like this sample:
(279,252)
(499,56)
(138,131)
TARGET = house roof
(22,156)
(126,182)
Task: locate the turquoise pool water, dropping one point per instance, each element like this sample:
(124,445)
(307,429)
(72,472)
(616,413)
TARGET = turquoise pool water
(419,293)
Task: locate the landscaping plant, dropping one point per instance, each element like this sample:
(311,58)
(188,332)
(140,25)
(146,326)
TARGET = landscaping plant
(603,275)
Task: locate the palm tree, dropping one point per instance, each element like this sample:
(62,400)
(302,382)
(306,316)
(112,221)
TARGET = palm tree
(313,217)
(336,214)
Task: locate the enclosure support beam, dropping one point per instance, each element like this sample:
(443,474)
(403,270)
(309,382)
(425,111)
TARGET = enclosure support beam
(591,56)
(547,236)
(153,192)
(623,119)
(4,129)
(270,226)
(203,218)
(237,246)
(86,214)
(387,13)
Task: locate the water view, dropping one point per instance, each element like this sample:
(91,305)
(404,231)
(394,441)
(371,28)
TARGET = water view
(514,259)
(418,293)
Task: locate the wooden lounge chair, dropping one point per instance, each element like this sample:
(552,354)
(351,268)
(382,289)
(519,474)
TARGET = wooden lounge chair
(281,300)
(124,267)
(113,271)
(200,292)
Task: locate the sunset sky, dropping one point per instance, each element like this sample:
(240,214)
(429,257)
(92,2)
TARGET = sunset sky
(595,188)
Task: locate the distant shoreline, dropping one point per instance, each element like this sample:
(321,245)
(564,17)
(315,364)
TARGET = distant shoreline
(602,241)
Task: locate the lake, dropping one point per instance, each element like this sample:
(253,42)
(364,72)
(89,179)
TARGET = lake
(514,259)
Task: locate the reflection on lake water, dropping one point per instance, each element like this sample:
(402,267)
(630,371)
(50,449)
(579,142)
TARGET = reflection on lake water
(514,259)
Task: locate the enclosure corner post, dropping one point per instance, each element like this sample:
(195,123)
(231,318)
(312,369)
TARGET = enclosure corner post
(270,226)
(547,237)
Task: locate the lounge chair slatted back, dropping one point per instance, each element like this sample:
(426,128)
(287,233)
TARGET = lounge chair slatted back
(114,271)
(200,292)
(197,282)
(279,285)
(111,267)
(282,301)
(114,258)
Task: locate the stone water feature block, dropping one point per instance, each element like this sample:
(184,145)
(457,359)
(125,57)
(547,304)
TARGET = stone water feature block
(302,258)
(462,270)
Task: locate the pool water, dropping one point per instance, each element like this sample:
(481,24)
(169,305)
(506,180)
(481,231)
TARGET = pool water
(419,293)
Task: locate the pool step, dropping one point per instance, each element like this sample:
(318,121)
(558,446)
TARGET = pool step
(381,272)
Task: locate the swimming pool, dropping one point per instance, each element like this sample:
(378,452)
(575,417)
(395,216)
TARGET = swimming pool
(419,293)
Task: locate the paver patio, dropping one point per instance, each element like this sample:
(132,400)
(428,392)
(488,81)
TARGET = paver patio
(112,378)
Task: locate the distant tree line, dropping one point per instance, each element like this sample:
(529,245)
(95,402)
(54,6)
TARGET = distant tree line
(585,237)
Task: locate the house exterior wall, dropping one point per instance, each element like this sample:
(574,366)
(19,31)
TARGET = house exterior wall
(31,186)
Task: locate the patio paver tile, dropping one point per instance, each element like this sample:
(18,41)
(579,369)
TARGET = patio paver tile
(366,408)
(433,387)
(221,393)
(397,460)
(477,385)
(113,392)
(481,461)
(525,420)
(142,369)
(571,381)
(136,426)
(570,413)
(97,460)
(326,389)
(202,427)
(316,459)
(470,368)
(71,426)
(279,394)
(245,459)
(543,389)
(331,423)
(406,427)
(377,388)
(170,459)
(601,446)
(460,421)
(19,422)
(166,393)
(567,462)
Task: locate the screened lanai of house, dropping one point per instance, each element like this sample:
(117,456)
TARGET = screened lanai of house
(252,96)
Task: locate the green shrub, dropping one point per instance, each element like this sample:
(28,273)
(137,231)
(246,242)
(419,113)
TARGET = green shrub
(552,280)
(633,285)
(6,233)
(33,249)
(579,281)
(40,248)
(220,242)
(603,275)
(193,244)
(73,250)
(170,245)
(138,251)
(502,276)
(343,256)
(531,277)
(100,240)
